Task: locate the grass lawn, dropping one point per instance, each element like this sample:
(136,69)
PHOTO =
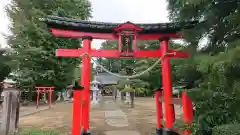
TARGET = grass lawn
(37,132)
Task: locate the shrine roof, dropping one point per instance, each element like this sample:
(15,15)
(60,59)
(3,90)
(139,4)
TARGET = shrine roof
(107,79)
(107,27)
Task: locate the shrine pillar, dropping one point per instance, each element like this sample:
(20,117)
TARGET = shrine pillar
(85,81)
(81,106)
(167,84)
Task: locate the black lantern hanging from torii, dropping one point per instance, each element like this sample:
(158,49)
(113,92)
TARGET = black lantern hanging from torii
(127,41)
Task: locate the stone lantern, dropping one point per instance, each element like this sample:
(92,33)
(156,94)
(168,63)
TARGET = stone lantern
(95,89)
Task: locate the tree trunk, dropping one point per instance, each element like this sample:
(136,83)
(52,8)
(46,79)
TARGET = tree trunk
(115,94)
(1,90)
(30,95)
(122,96)
(128,98)
(132,95)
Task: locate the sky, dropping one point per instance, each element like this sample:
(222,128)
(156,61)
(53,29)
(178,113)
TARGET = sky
(136,11)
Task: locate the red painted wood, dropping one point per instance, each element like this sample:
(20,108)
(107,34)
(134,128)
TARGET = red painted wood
(76,34)
(187,107)
(78,109)
(85,82)
(167,86)
(128,26)
(77,121)
(116,53)
(81,105)
(69,52)
(187,111)
(109,36)
(48,89)
(159,109)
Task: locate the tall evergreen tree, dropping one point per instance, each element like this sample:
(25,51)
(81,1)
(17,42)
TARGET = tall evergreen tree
(221,26)
(4,68)
(34,47)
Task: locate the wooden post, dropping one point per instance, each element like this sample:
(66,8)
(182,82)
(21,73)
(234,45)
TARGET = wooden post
(132,95)
(10,112)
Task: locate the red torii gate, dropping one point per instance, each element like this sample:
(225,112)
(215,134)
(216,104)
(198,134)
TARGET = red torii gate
(127,32)
(44,89)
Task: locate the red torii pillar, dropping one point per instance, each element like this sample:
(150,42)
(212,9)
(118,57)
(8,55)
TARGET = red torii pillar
(167,85)
(187,111)
(85,81)
(81,106)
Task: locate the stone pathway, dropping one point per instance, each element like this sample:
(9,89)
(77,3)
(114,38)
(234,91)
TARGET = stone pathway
(115,117)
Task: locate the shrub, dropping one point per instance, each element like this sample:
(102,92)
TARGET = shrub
(228,129)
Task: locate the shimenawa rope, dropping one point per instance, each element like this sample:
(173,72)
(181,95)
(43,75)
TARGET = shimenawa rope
(126,76)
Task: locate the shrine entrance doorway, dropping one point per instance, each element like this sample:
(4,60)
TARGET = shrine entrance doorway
(107,82)
(106,91)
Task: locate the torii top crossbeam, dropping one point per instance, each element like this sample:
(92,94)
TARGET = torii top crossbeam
(103,30)
(66,27)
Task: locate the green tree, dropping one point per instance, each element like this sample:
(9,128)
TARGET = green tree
(217,92)
(217,97)
(34,47)
(4,67)
(221,26)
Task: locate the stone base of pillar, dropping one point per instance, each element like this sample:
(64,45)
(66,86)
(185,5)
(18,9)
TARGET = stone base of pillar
(165,131)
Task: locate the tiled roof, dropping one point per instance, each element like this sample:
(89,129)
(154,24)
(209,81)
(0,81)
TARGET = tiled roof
(106,27)
(107,79)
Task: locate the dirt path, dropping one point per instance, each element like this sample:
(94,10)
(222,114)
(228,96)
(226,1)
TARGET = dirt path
(104,117)
(143,115)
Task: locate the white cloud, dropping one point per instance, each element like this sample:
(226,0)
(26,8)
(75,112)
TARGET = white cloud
(130,10)
(150,11)
(136,11)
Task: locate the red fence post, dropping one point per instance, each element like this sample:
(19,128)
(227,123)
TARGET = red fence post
(167,85)
(187,110)
(159,110)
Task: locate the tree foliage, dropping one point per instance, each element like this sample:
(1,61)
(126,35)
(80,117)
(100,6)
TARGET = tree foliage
(216,94)
(34,47)
(221,26)
(5,69)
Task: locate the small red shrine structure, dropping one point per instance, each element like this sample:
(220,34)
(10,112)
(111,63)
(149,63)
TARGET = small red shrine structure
(127,34)
(45,89)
